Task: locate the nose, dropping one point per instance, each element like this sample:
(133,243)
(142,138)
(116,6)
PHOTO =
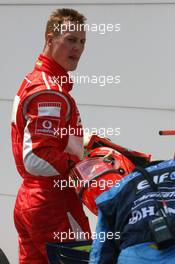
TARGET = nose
(78,46)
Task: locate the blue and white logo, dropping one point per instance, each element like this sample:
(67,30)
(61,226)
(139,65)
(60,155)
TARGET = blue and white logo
(172,175)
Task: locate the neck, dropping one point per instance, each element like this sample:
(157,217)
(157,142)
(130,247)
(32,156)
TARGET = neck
(47,52)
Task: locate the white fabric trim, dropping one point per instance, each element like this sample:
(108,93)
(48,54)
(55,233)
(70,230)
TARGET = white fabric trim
(76,228)
(27,101)
(49,109)
(54,81)
(27,79)
(15,108)
(32,163)
(75,146)
(59,87)
(45,81)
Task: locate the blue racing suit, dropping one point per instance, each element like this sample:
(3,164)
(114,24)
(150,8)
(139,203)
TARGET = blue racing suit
(123,215)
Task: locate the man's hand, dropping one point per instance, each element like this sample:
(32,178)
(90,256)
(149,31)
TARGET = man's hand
(73,160)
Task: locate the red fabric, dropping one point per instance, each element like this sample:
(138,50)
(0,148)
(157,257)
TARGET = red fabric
(40,215)
(41,108)
(50,67)
(48,147)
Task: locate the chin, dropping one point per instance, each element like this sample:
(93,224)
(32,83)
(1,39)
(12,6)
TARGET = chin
(72,68)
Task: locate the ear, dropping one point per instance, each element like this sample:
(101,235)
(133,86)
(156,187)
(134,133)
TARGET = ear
(49,39)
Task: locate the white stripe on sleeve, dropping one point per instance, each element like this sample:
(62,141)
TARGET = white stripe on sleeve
(32,163)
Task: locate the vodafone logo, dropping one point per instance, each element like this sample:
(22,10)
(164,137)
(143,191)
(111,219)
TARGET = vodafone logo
(47,124)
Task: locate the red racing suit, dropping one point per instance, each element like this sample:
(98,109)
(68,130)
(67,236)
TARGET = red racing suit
(47,138)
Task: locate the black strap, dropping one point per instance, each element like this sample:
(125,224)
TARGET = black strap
(146,174)
(154,188)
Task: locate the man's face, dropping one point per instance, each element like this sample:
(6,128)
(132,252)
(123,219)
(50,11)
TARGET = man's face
(67,47)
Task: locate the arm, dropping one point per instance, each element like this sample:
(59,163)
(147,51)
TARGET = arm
(47,116)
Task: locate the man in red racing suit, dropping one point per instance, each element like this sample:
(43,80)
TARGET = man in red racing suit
(47,139)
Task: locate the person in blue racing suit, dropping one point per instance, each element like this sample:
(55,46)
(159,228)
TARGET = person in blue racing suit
(124,214)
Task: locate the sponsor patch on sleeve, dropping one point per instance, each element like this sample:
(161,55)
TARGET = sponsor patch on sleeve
(46,126)
(49,109)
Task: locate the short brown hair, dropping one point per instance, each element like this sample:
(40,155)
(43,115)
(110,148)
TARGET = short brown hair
(59,16)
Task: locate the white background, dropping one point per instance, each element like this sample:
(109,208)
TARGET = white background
(142,53)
